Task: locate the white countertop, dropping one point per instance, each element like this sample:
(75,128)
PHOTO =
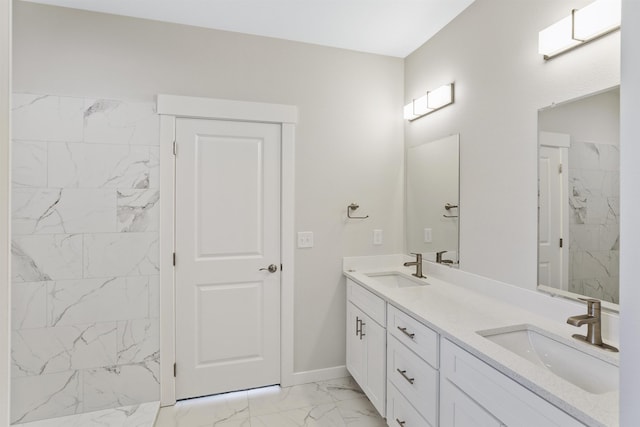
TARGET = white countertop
(457,313)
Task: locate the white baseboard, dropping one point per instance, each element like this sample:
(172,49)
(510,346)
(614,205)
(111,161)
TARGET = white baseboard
(316,375)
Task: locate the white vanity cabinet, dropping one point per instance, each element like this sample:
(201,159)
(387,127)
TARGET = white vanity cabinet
(412,371)
(475,394)
(366,343)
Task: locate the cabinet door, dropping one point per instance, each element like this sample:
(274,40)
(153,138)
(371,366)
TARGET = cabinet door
(459,410)
(376,351)
(355,346)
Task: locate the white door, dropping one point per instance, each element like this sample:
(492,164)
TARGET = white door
(227,236)
(553,217)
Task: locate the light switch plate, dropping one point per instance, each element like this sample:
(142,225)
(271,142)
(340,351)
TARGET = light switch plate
(305,239)
(377,237)
(427,235)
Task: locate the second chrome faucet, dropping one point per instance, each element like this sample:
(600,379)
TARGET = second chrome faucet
(418,264)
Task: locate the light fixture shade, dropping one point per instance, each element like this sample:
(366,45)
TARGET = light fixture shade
(556,38)
(421,105)
(430,102)
(598,18)
(440,97)
(408,112)
(581,26)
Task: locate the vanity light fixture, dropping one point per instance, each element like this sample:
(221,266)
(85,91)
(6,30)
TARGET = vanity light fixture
(582,26)
(432,101)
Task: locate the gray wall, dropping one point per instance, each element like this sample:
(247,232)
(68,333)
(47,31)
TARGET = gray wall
(491,51)
(349,139)
(629,214)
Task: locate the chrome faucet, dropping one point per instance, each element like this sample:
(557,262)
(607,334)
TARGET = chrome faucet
(418,264)
(593,320)
(439,256)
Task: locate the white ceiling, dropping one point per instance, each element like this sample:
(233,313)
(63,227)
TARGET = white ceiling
(386,27)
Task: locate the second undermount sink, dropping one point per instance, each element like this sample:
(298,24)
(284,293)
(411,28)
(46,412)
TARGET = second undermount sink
(396,280)
(582,369)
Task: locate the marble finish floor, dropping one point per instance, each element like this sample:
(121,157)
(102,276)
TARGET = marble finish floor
(334,403)
(141,415)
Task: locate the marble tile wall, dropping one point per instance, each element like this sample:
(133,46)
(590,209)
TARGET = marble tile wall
(594,220)
(84,255)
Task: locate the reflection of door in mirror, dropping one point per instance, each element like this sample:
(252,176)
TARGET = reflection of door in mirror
(432,205)
(578,228)
(553,211)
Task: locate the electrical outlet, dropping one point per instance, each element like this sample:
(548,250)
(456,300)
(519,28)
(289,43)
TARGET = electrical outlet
(305,239)
(427,235)
(377,237)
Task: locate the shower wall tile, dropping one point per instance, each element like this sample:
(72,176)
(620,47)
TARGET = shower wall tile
(73,165)
(138,340)
(36,258)
(154,297)
(121,385)
(584,237)
(120,254)
(47,118)
(118,122)
(154,167)
(73,302)
(60,349)
(29,305)
(85,286)
(29,164)
(594,229)
(48,211)
(46,396)
(138,210)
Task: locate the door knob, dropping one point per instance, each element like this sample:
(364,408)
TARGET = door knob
(271,269)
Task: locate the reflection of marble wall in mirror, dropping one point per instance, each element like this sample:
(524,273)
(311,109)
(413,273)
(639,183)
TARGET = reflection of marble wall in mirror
(433,182)
(593,194)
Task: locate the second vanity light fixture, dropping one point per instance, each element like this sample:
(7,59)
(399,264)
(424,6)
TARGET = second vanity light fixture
(580,27)
(432,101)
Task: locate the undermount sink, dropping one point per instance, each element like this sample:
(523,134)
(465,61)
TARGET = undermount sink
(396,280)
(584,370)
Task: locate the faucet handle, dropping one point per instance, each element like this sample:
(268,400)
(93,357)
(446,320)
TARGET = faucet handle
(592,304)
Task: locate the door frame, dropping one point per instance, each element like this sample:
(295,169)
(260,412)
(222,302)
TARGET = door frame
(170,108)
(5,208)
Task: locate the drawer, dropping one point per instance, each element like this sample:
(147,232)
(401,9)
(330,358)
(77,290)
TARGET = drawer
(414,378)
(400,413)
(504,398)
(418,337)
(372,305)
(458,409)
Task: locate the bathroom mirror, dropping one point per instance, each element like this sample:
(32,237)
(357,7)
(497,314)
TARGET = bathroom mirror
(579,197)
(432,199)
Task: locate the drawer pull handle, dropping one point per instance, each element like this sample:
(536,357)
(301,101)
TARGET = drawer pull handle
(400,422)
(359,328)
(404,375)
(404,331)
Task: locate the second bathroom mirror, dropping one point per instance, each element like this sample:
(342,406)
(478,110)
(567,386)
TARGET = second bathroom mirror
(432,200)
(579,197)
